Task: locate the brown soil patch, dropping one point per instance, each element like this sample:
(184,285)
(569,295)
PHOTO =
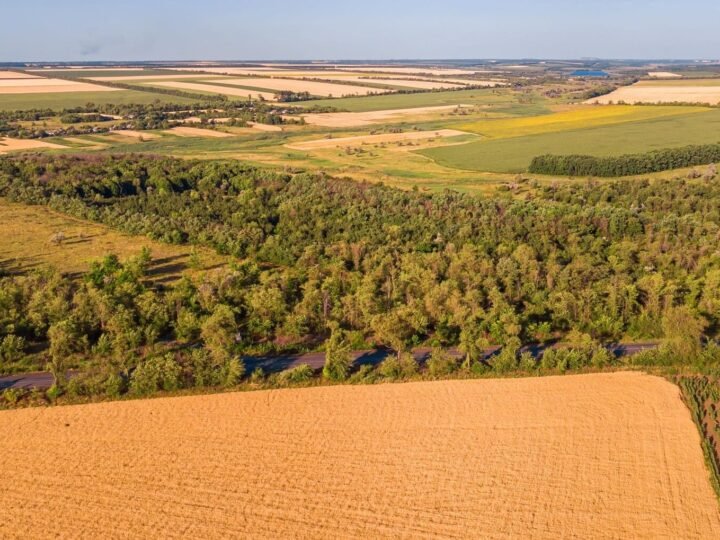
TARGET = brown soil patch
(10,145)
(353,119)
(589,456)
(316,88)
(343,142)
(185,131)
(223,90)
(662,94)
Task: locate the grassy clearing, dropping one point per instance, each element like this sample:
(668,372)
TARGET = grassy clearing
(25,244)
(58,101)
(514,155)
(578,118)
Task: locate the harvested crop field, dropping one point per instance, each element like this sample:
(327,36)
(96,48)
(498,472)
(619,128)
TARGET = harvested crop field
(136,134)
(214,89)
(664,75)
(315,88)
(16,75)
(343,142)
(407,83)
(601,456)
(183,131)
(46,86)
(417,71)
(645,93)
(11,145)
(352,119)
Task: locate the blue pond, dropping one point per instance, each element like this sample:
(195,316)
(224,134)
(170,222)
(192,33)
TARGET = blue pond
(589,73)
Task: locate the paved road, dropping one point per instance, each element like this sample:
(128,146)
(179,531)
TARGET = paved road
(316,360)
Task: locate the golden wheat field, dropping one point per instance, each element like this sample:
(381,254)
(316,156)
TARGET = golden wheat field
(585,456)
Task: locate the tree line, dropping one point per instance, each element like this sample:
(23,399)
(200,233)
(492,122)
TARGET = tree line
(627,165)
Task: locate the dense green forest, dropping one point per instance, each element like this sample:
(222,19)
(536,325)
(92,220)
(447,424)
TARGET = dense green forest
(628,165)
(317,256)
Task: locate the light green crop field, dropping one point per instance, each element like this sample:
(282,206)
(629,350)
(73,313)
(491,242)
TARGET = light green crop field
(513,155)
(495,97)
(63,100)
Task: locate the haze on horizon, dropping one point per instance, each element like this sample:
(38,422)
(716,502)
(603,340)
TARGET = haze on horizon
(85,30)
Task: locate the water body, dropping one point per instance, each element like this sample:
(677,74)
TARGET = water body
(589,73)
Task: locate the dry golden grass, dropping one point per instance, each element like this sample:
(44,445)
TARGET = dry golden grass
(316,88)
(214,89)
(353,119)
(120,78)
(136,134)
(664,75)
(25,243)
(343,142)
(588,456)
(418,71)
(12,145)
(183,131)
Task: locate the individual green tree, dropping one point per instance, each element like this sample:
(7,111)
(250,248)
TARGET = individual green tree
(473,342)
(64,341)
(683,331)
(338,359)
(218,333)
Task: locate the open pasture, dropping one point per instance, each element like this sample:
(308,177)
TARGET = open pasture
(343,142)
(14,145)
(605,455)
(513,155)
(183,131)
(27,230)
(354,119)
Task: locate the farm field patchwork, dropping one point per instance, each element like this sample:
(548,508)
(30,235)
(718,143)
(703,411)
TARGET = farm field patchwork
(45,86)
(407,83)
(605,455)
(15,75)
(25,243)
(513,155)
(316,88)
(215,89)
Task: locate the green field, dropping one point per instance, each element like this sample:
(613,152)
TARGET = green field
(495,97)
(64,100)
(515,154)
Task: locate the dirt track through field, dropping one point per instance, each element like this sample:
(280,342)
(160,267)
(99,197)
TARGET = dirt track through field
(588,456)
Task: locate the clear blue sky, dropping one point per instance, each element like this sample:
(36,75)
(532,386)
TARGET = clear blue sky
(363,29)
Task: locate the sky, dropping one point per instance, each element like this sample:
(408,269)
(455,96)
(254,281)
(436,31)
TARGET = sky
(93,30)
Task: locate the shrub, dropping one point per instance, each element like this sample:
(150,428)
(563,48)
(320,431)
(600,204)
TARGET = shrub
(11,348)
(441,363)
(234,370)
(299,374)
(158,373)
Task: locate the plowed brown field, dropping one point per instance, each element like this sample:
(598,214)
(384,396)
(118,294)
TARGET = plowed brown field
(589,456)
